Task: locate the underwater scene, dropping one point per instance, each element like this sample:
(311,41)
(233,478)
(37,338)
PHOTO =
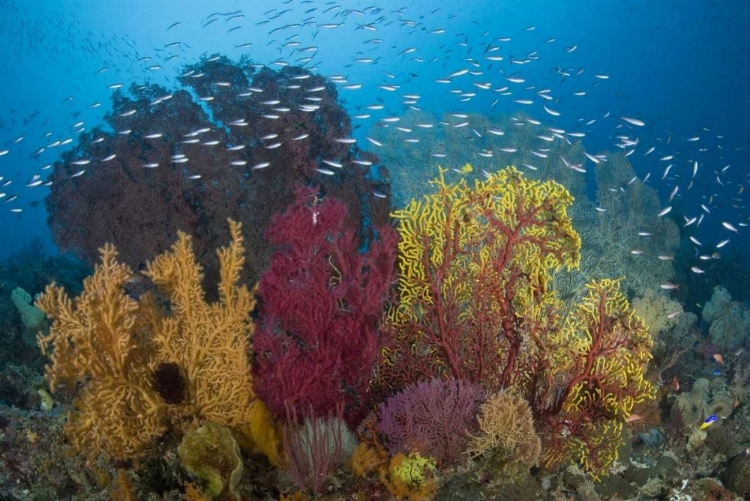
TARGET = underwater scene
(374,250)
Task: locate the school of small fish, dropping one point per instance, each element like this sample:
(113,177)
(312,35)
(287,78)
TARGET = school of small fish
(420,58)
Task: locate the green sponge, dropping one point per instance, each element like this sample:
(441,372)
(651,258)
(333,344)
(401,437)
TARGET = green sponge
(31,316)
(212,454)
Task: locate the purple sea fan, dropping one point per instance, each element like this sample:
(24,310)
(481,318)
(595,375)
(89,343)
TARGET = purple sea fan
(432,418)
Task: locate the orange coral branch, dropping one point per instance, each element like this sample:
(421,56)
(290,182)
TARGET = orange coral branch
(144,369)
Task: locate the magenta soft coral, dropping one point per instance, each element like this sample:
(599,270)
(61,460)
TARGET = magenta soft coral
(322,299)
(433,417)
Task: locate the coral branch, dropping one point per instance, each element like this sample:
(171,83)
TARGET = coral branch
(143,368)
(321,304)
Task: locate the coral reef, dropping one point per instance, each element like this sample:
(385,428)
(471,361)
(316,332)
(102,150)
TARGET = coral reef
(509,140)
(658,311)
(411,477)
(472,260)
(31,316)
(737,476)
(629,206)
(616,242)
(597,376)
(30,270)
(34,462)
(188,138)
(476,304)
(498,295)
(703,400)
(122,487)
(321,302)
(367,458)
(739,386)
(140,370)
(672,330)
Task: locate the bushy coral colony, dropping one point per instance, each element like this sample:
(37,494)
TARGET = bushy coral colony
(321,303)
(132,196)
(463,352)
(148,369)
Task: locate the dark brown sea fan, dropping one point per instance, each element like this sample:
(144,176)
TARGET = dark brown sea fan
(201,180)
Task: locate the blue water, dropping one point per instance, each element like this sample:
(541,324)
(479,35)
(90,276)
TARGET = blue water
(681,67)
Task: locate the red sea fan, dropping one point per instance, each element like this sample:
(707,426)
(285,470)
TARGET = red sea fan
(432,418)
(321,301)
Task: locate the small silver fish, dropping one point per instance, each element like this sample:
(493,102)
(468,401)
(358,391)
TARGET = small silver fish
(634,121)
(664,211)
(338,165)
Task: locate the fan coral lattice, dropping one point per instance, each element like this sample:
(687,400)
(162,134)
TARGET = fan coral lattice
(144,370)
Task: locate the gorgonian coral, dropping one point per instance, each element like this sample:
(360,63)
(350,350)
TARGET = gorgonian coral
(432,417)
(139,369)
(476,266)
(167,161)
(321,303)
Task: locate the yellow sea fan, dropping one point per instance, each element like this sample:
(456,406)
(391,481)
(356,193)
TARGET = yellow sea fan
(147,368)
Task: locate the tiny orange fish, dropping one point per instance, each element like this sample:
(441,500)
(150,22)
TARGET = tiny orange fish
(675,384)
(719,358)
(634,417)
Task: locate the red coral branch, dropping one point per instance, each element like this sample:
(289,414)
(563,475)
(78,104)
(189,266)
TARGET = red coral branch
(321,303)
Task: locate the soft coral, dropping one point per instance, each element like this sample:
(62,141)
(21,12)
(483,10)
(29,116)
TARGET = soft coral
(321,303)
